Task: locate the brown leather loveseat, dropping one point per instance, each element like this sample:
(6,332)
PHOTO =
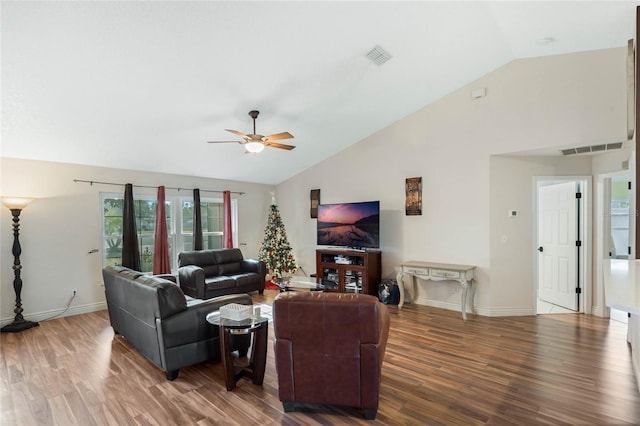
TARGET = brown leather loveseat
(204,274)
(329,349)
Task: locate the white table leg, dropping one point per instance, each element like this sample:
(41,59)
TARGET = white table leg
(472,287)
(412,288)
(400,279)
(465,288)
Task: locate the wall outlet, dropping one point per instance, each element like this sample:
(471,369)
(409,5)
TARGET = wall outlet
(74,293)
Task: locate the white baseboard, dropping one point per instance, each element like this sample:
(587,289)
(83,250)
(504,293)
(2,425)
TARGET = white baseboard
(500,312)
(599,311)
(509,312)
(635,361)
(59,313)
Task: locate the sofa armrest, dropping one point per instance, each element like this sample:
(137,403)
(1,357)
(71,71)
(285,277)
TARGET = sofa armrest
(250,265)
(191,278)
(257,266)
(191,325)
(168,277)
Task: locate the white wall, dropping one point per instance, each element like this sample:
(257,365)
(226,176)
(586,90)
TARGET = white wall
(512,188)
(59,229)
(565,100)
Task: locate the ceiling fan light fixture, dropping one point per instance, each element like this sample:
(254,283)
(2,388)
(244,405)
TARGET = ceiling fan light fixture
(254,147)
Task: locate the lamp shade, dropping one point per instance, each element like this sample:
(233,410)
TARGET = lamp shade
(254,146)
(18,203)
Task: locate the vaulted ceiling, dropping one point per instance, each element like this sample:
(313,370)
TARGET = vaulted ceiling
(144,85)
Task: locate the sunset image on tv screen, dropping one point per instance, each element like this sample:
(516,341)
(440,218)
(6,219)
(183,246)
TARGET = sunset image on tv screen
(349,224)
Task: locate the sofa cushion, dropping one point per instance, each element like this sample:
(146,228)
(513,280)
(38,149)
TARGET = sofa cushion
(220,282)
(126,272)
(171,299)
(229,268)
(200,258)
(244,279)
(211,270)
(227,255)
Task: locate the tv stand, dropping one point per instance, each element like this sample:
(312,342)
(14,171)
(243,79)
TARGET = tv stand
(353,270)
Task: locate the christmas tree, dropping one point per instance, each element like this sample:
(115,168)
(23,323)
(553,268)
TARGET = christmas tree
(275,250)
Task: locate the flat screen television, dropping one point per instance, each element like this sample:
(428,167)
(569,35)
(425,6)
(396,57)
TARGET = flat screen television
(354,225)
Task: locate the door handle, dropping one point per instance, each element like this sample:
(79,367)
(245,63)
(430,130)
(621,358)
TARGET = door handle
(540,249)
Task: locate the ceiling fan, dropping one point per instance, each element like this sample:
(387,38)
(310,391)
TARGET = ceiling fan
(254,142)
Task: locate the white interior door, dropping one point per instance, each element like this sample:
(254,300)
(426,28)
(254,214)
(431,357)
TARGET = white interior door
(557,236)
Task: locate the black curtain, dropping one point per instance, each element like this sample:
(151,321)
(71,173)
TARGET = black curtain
(197,221)
(130,250)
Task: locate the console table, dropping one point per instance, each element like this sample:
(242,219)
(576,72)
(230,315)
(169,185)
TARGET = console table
(463,274)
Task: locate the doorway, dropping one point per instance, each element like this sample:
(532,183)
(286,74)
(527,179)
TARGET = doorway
(616,223)
(562,244)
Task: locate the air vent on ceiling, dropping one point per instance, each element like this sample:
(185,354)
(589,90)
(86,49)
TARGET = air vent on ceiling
(378,55)
(592,148)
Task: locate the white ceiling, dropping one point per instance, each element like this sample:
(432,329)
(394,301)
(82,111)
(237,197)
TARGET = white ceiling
(144,85)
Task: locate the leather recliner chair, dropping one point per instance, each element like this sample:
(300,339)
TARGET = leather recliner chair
(329,349)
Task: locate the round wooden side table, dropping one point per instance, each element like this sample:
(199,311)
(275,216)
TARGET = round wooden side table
(258,328)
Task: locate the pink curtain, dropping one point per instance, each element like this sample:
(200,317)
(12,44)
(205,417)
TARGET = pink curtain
(227,238)
(161,260)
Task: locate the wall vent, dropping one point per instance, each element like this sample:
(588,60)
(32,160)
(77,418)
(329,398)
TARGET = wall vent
(592,148)
(378,55)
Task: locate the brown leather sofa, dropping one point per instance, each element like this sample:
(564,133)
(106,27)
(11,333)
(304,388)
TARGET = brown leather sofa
(329,349)
(165,326)
(204,274)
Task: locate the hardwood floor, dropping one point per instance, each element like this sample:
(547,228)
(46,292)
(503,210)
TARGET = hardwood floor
(563,369)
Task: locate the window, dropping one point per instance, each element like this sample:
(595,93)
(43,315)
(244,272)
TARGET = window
(212,216)
(179,211)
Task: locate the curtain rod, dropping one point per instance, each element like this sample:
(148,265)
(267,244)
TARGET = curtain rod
(91,182)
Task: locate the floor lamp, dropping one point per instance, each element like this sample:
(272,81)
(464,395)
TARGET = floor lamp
(16,205)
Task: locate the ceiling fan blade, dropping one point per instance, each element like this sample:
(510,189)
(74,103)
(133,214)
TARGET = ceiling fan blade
(277,137)
(252,140)
(240,142)
(235,132)
(279,145)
